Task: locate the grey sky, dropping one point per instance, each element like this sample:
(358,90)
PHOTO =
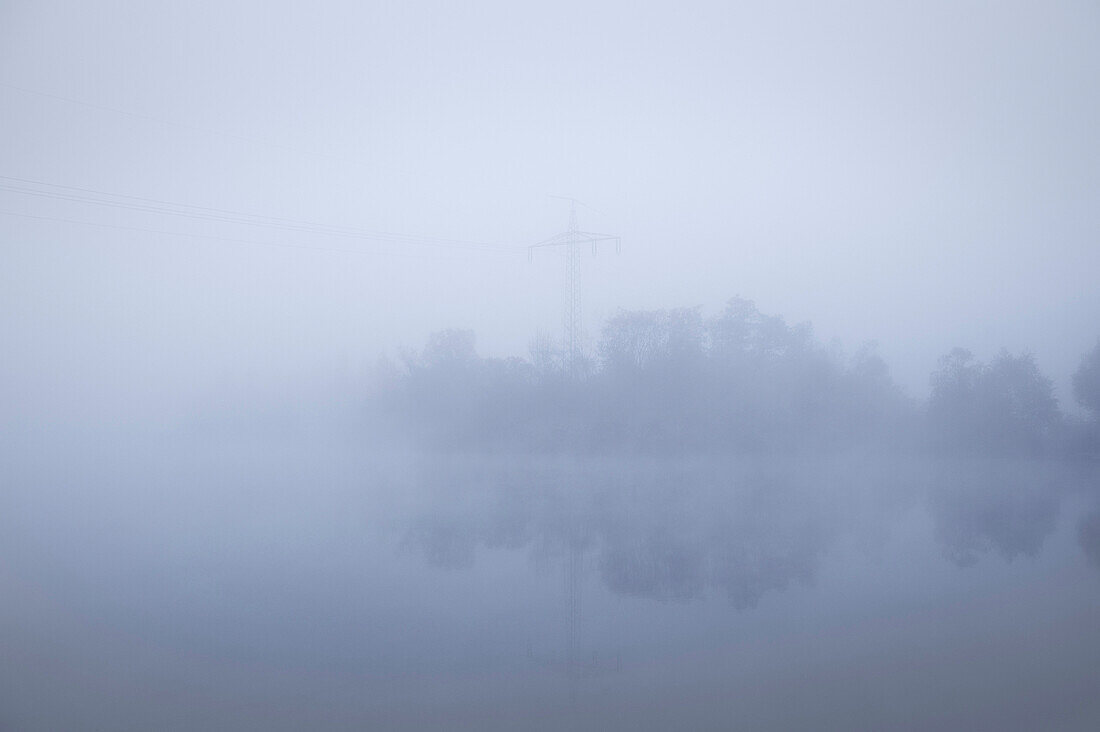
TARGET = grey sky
(212,517)
(922,174)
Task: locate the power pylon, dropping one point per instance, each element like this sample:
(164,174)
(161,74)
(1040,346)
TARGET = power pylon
(571,239)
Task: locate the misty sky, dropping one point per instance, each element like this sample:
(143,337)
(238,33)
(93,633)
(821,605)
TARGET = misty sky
(921,174)
(218,510)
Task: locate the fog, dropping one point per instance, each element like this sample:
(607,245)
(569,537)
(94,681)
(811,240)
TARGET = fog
(298,430)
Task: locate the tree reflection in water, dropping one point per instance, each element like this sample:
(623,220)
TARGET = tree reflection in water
(682,530)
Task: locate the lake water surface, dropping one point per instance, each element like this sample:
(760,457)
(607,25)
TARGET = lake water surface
(156,583)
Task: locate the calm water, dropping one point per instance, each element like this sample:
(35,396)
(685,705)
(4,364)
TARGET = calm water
(171,583)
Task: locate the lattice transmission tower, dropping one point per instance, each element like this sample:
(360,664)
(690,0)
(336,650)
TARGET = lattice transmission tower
(571,239)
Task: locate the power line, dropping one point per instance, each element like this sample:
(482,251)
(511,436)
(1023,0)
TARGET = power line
(223,215)
(231,240)
(218,214)
(180,125)
(264,217)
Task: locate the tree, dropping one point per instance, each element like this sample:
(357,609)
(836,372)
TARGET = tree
(1004,406)
(666,381)
(1086,382)
(450,348)
(631,341)
(1021,402)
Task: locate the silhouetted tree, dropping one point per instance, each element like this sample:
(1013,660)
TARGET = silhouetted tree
(1086,382)
(1006,406)
(664,381)
(1085,436)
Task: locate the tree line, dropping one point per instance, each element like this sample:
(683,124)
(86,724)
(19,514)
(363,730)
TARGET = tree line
(674,382)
